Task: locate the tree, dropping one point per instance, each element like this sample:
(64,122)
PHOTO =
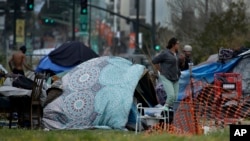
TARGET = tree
(208,24)
(224,30)
(183,19)
(163,34)
(190,17)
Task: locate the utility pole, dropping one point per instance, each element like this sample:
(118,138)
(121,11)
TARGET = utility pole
(137,7)
(89,24)
(153,24)
(115,17)
(14,23)
(73,20)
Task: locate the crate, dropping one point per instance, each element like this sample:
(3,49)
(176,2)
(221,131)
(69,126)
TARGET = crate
(231,83)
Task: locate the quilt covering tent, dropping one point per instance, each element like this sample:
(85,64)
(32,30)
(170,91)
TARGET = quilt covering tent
(97,93)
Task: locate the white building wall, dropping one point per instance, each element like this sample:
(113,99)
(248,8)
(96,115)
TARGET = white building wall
(124,10)
(162,13)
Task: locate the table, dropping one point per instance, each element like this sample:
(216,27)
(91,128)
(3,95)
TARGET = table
(18,100)
(13,91)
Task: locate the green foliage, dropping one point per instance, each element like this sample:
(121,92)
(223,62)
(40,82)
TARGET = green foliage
(224,30)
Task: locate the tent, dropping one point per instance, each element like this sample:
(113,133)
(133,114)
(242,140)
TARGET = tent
(205,72)
(46,65)
(243,68)
(214,104)
(65,57)
(71,54)
(100,93)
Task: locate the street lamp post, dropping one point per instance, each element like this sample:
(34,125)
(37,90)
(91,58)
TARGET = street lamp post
(14,23)
(193,97)
(153,24)
(73,20)
(137,6)
(90,27)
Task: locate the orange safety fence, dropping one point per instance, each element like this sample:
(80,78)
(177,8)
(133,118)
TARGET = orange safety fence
(208,108)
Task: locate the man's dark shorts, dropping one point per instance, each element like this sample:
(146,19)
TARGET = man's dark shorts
(16,71)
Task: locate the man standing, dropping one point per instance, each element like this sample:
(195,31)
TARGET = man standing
(18,62)
(187,50)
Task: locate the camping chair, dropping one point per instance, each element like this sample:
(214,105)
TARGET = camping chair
(152,115)
(35,104)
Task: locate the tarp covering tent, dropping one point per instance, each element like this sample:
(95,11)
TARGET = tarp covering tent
(65,57)
(211,59)
(206,71)
(71,54)
(46,64)
(243,68)
(222,100)
(97,93)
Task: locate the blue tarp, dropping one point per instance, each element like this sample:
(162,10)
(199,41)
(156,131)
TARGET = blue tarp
(65,57)
(46,64)
(204,72)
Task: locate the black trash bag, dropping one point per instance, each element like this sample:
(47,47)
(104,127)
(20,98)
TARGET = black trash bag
(23,82)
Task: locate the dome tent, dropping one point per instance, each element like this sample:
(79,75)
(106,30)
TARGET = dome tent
(99,93)
(65,57)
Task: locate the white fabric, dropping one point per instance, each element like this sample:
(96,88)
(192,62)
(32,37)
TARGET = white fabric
(10,91)
(187,48)
(3,69)
(8,81)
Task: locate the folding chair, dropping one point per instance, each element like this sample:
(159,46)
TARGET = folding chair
(143,115)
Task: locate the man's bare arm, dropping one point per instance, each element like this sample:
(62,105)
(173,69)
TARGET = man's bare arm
(28,67)
(10,63)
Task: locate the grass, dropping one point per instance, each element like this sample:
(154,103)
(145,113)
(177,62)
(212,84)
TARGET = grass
(102,135)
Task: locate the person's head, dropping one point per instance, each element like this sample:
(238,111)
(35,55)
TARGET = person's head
(187,49)
(173,43)
(23,49)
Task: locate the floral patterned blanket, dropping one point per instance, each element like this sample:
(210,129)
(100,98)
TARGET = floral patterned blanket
(96,94)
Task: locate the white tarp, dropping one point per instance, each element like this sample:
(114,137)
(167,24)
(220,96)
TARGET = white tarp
(3,69)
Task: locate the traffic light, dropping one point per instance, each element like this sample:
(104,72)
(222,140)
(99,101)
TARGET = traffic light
(30,5)
(48,21)
(157,47)
(84,7)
